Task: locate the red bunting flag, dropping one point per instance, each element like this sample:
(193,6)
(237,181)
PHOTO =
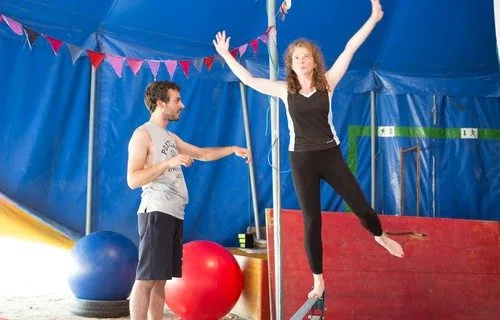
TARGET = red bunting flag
(208,61)
(55,44)
(95,57)
(255,45)
(135,64)
(185,64)
(234,53)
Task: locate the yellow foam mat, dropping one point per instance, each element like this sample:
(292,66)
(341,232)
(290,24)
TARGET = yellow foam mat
(16,223)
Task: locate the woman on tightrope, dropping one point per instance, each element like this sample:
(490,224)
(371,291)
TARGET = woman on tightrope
(314,146)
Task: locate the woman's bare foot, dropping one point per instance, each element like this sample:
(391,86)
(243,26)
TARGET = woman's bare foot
(392,246)
(319,287)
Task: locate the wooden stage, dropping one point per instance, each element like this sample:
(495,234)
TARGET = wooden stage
(451,268)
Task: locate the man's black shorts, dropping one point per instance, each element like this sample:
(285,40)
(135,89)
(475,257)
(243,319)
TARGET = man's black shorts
(160,246)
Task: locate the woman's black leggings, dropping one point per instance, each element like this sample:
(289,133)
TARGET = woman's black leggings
(308,167)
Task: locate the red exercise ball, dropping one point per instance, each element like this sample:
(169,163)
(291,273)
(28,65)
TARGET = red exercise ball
(211,283)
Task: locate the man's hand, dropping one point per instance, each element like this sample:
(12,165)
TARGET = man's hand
(179,160)
(241,152)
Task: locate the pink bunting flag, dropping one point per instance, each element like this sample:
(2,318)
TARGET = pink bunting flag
(1,18)
(95,57)
(117,64)
(264,38)
(198,64)
(135,64)
(242,49)
(185,64)
(208,61)
(55,44)
(171,65)
(255,45)
(15,26)
(154,65)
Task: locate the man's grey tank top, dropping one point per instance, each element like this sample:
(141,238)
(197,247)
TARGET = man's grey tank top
(167,193)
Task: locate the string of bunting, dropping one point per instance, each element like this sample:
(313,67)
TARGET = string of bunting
(135,64)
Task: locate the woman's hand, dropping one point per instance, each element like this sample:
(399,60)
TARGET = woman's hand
(377,12)
(221,43)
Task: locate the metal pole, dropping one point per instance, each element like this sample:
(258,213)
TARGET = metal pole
(434,117)
(402,152)
(373,135)
(275,143)
(401,170)
(90,164)
(244,108)
(418,180)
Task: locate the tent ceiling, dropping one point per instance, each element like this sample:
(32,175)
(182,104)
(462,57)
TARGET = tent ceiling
(448,38)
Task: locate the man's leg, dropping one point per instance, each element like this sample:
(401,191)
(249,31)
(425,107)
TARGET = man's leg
(157,301)
(139,299)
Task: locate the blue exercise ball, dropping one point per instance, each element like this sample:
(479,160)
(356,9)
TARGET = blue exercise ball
(103,266)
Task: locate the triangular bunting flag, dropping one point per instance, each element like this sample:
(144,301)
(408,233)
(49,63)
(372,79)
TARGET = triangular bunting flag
(95,57)
(234,53)
(271,32)
(154,65)
(15,26)
(198,64)
(135,64)
(74,51)
(185,64)
(208,61)
(117,64)
(221,60)
(264,37)
(171,65)
(31,35)
(55,44)
(243,48)
(255,45)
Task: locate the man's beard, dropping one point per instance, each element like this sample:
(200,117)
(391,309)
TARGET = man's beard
(172,117)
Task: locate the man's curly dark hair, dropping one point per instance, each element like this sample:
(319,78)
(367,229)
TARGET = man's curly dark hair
(158,90)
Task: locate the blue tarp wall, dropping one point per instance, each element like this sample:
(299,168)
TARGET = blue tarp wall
(433,67)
